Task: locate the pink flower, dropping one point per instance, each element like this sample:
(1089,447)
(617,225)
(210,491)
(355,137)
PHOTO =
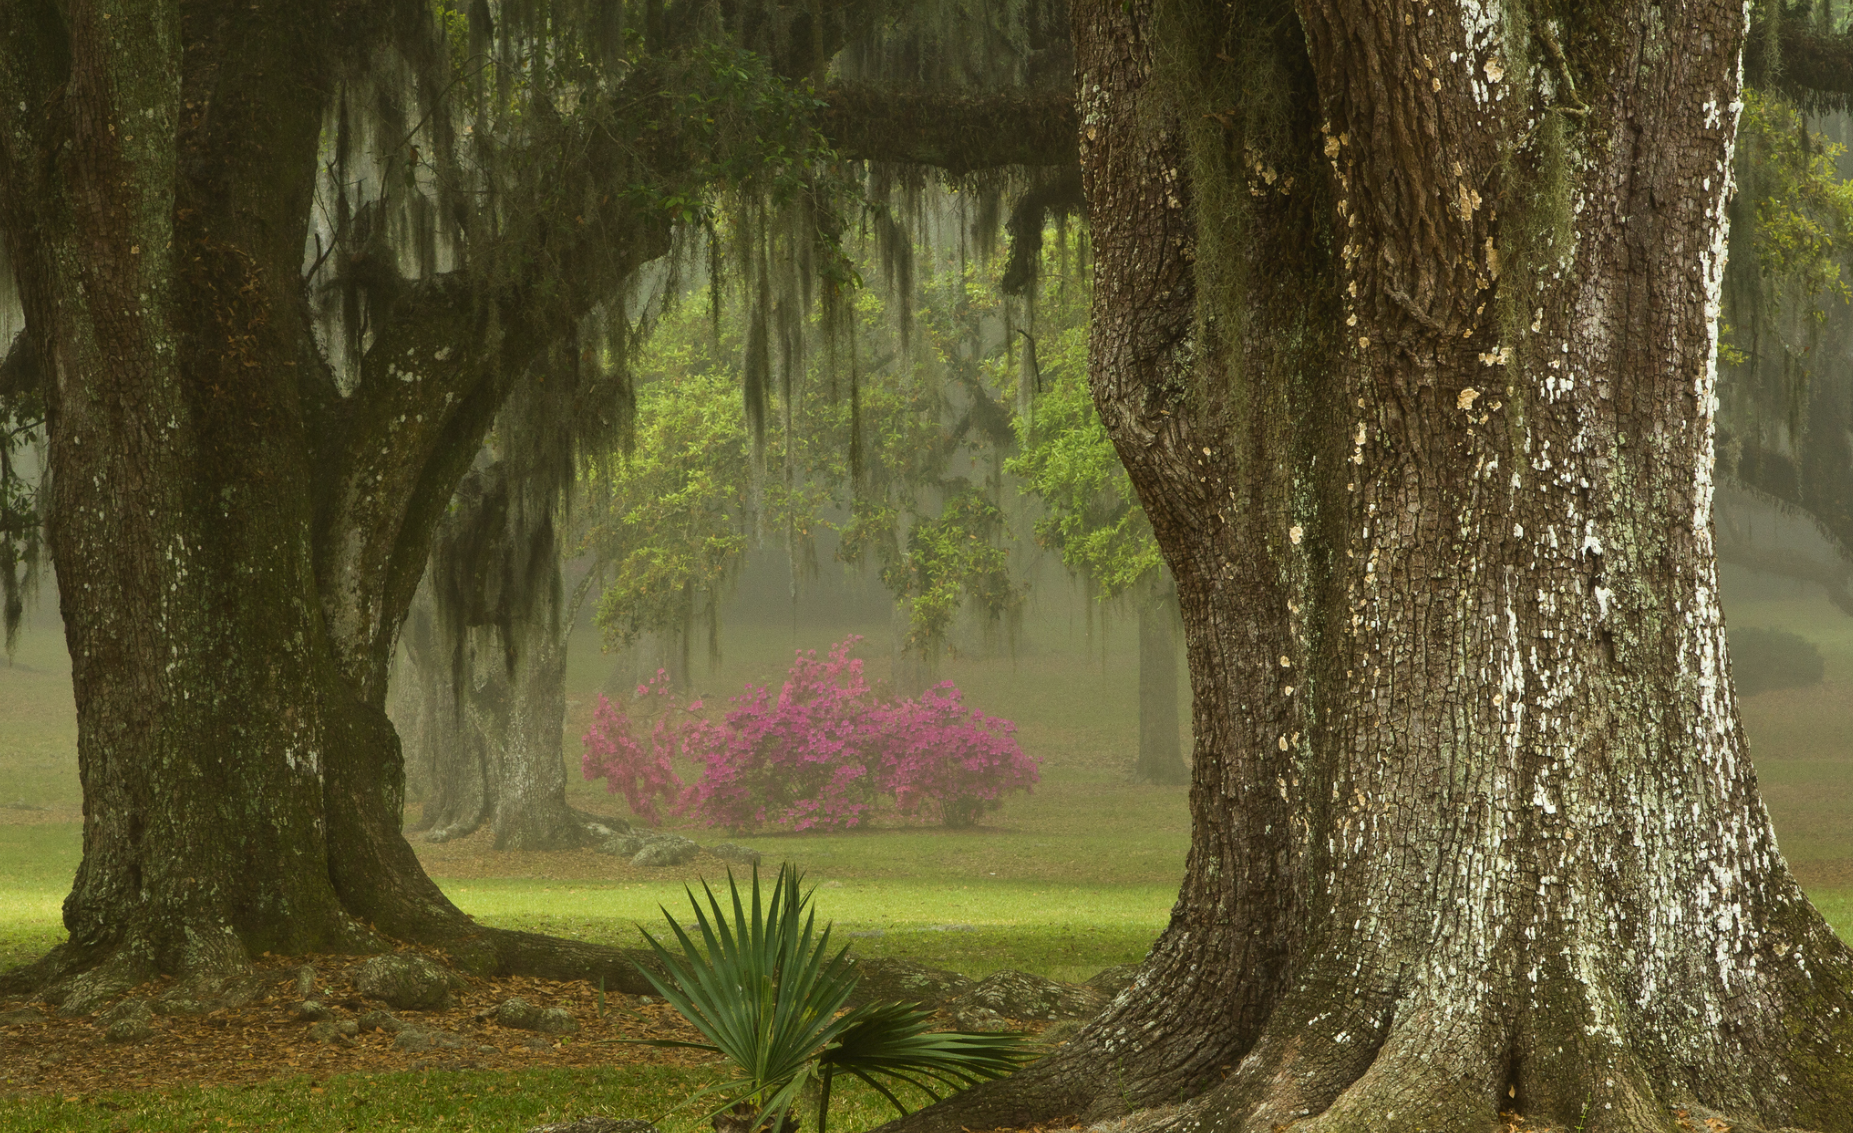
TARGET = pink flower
(823,753)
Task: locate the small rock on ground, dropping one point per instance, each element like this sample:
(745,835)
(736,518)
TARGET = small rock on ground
(405,980)
(333,1030)
(728,852)
(309,1011)
(379,1021)
(522,1015)
(621,846)
(666,851)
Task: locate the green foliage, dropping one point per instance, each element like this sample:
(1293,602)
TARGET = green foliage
(1792,231)
(1803,211)
(765,992)
(951,558)
(678,509)
(1091,516)
(890,454)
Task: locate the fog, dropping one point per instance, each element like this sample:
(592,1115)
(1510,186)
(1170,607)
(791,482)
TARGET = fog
(1067,677)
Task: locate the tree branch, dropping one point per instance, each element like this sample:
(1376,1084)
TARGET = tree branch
(959,133)
(1809,65)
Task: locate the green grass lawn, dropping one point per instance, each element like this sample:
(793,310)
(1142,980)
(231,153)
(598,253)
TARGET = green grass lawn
(1066,932)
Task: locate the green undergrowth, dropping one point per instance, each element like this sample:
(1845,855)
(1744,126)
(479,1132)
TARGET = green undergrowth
(450,1101)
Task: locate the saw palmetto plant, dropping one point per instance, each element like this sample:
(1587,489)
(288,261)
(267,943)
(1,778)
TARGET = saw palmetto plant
(763,988)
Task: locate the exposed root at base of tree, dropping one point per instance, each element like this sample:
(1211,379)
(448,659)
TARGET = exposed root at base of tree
(1337,1079)
(76,978)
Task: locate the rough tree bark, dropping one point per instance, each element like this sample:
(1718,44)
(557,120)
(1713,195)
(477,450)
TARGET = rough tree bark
(1404,327)
(237,540)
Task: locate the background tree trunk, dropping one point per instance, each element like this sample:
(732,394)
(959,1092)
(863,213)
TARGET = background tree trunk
(232,576)
(1161,759)
(490,746)
(446,753)
(530,805)
(1407,349)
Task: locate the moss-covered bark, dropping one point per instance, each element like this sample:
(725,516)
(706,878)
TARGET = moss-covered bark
(1404,327)
(236,540)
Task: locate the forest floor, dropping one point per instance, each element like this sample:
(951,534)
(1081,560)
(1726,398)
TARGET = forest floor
(44,1053)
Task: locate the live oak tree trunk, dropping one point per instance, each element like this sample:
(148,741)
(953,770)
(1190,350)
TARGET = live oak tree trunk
(1161,759)
(530,802)
(1404,327)
(489,741)
(236,540)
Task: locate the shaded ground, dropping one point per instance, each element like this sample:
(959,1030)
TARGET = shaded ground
(264,1039)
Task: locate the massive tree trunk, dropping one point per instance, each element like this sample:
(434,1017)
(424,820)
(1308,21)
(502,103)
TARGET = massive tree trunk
(236,538)
(1161,760)
(179,532)
(1404,327)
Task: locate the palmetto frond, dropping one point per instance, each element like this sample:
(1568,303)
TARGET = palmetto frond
(764,990)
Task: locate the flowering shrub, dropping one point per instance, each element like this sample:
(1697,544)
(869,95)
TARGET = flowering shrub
(937,754)
(824,753)
(801,759)
(611,753)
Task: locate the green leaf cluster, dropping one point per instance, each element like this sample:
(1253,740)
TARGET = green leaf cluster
(893,440)
(1791,234)
(1091,516)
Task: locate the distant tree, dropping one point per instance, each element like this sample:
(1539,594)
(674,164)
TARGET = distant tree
(1785,382)
(1093,519)
(899,463)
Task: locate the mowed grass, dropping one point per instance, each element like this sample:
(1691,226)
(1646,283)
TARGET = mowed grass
(1066,932)
(38,723)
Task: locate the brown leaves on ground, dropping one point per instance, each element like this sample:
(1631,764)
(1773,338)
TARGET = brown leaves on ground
(265,1039)
(42,1052)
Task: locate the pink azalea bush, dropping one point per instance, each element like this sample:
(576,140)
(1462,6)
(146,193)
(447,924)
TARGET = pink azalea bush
(937,755)
(826,752)
(611,753)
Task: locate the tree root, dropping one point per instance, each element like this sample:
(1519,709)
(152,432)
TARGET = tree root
(1341,1056)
